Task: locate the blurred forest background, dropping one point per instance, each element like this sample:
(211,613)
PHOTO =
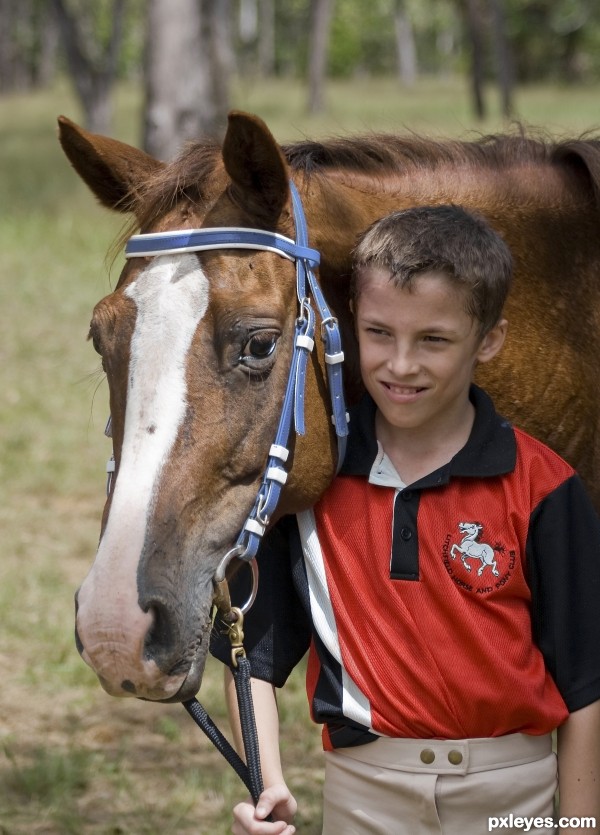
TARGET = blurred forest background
(187,55)
(156,73)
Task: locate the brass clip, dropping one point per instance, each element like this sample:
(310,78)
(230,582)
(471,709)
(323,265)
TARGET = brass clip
(235,631)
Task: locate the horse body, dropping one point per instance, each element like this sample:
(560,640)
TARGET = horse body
(197,346)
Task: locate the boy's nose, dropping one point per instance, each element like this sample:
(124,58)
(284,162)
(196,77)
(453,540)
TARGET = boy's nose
(402,361)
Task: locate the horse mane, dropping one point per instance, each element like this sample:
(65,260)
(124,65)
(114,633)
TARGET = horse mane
(374,153)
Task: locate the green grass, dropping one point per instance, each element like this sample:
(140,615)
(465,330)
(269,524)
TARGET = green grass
(73,760)
(434,107)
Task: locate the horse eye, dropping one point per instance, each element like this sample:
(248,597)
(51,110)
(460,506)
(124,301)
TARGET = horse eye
(259,349)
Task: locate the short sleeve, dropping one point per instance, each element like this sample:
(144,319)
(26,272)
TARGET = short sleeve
(277,629)
(563,565)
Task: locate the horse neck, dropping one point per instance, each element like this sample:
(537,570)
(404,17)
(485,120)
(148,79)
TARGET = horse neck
(341,204)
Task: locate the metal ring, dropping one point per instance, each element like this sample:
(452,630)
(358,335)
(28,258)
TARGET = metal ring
(305,310)
(219,576)
(236,551)
(328,321)
(253,592)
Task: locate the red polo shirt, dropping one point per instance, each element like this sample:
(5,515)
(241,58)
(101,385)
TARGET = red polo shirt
(460,607)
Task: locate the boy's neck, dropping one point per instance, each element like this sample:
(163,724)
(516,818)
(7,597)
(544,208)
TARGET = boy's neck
(419,451)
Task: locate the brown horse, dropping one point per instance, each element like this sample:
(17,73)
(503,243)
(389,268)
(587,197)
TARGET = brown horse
(196,348)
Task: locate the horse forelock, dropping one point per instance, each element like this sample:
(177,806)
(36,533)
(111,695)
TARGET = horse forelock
(189,177)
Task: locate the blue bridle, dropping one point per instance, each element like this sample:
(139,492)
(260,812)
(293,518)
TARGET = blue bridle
(307,259)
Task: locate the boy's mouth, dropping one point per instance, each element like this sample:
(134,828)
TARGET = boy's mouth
(403,391)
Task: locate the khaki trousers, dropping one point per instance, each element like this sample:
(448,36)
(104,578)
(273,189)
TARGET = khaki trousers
(438,787)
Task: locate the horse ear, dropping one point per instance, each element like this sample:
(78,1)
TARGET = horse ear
(111,169)
(256,165)
(583,156)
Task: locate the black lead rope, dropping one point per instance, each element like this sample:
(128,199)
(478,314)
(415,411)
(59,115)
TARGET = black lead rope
(207,726)
(249,771)
(248,721)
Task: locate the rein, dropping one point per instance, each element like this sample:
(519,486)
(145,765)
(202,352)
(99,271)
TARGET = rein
(308,291)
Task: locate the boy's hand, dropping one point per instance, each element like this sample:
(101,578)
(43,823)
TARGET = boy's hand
(276,801)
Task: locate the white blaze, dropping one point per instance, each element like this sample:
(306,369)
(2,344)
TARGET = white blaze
(171,297)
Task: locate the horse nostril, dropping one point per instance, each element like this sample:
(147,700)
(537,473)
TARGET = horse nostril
(160,643)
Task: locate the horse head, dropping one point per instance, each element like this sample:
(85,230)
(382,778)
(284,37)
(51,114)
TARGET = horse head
(196,347)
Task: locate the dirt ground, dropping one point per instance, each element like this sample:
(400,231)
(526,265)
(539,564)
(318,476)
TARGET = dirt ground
(75,761)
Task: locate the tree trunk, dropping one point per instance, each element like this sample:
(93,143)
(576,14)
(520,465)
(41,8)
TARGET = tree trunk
(569,69)
(266,38)
(473,18)
(180,77)
(49,37)
(317,59)
(218,40)
(93,80)
(405,46)
(504,62)
(15,59)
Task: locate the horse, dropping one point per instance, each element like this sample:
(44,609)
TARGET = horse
(196,348)
(471,548)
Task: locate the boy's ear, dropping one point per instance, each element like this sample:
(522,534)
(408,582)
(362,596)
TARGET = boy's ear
(492,342)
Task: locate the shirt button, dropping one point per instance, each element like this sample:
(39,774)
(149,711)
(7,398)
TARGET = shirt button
(406,534)
(455,757)
(427,756)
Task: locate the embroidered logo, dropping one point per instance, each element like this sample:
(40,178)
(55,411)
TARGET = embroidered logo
(471,548)
(477,558)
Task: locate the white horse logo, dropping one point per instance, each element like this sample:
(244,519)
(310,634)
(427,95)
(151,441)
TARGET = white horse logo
(470,548)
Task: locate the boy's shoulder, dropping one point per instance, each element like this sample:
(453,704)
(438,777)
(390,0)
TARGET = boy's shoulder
(538,465)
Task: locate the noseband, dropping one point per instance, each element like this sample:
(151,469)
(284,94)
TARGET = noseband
(307,286)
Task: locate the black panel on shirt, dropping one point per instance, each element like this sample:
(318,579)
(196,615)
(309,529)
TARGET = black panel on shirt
(404,563)
(563,572)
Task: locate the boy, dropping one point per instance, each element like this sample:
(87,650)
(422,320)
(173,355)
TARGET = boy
(446,581)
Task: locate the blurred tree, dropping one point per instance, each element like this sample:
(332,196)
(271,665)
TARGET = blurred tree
(405,45)
(472,12)
(187,69)
(503,54)
(320,20)
(489,51)
(266,38)
(499,41)
(256,37)
(92,38)
(555,39)
(28,45)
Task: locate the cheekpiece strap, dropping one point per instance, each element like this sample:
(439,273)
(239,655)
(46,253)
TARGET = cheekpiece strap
(307,259)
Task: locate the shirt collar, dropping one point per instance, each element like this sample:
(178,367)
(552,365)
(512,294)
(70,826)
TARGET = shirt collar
(490,451)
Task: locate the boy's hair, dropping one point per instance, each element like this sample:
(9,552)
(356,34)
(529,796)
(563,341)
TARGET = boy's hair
(444,239)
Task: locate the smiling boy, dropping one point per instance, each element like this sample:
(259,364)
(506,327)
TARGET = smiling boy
(446,583)
(417,361)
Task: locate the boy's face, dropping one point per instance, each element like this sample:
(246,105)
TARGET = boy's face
(418,350)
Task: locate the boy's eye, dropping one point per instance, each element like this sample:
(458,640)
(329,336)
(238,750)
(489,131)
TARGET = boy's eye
(437,339)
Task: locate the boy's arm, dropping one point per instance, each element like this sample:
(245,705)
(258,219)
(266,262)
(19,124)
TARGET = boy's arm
(579,766)
(276,798)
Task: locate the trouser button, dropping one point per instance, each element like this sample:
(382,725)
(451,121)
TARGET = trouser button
(455,757)
(427,756)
